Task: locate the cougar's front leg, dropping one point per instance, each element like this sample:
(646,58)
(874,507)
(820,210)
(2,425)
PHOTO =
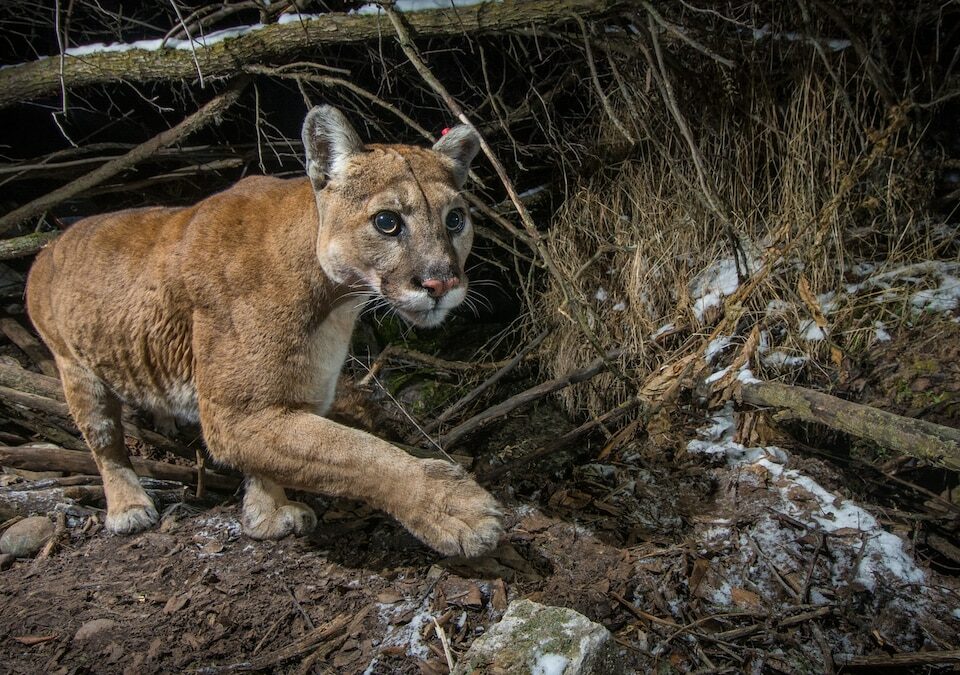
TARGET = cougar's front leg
(434,500)
(97,412)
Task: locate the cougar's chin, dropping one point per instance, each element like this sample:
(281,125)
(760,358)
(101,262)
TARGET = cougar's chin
(424,318)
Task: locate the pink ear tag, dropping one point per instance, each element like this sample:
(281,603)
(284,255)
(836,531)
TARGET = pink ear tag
(445,131)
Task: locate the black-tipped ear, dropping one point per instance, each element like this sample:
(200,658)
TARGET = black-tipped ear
(329,140)
(460,144)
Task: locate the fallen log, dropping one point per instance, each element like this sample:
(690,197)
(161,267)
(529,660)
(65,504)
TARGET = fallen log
(225,57)
(916,438)
(78,461)
(27,381)
(898,661)
(55,407)
(30,345)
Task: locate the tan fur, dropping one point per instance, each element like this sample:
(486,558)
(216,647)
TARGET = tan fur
(237,313)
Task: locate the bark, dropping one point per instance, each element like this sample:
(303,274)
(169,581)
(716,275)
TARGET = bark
(36,79)
(78,461)
(21,247)
(30,382)
(906,435)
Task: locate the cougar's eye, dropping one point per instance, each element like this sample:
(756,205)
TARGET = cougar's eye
(388,223)
(456,219)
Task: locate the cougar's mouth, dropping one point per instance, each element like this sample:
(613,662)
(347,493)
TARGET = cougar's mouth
(426,312)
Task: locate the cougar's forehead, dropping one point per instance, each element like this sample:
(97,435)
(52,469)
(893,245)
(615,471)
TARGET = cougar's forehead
(388,170)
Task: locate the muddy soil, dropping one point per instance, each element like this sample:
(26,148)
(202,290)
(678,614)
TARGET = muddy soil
(728,559)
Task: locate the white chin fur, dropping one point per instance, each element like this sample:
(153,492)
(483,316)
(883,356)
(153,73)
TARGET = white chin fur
(420,310)
(427,319)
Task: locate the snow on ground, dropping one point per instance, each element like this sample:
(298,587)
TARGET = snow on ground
(407,634)
(710,286)
(860,550)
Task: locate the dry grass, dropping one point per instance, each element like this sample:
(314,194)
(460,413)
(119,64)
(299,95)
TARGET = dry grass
(636,241)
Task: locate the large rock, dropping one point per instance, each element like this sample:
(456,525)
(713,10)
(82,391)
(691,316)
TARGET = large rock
(25,538)
(536,639)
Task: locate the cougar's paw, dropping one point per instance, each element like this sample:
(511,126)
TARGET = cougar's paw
(457,516)
(134,518)
(290,518)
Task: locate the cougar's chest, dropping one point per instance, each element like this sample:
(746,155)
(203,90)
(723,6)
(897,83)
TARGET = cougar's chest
(328,348)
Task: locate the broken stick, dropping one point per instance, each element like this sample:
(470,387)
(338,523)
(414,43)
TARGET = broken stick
(78,461)
(527,396)
(917,438)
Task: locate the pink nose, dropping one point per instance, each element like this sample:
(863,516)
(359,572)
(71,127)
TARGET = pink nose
(437,288)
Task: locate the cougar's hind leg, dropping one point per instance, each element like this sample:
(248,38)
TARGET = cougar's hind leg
(268,514)
(97,412)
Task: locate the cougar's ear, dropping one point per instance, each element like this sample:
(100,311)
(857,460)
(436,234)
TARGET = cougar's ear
(460,144)
(329,140)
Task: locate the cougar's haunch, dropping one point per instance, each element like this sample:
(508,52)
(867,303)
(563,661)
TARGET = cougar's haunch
(237,313)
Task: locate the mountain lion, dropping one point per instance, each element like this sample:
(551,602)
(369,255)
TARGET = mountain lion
(237,313)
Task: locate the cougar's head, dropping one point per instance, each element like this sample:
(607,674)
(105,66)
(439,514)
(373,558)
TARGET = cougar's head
(392,219)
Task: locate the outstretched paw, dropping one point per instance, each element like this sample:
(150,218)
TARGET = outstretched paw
(458,517)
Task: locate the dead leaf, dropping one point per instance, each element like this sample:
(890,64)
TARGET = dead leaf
(499,598)
(212,548)
(744,598)
(175,603)
(388,597)
(31,640)
(700,567)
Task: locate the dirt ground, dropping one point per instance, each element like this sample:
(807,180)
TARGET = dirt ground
(712,557)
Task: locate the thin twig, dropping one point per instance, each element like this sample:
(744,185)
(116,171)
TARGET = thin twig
(486,384)
(526,397)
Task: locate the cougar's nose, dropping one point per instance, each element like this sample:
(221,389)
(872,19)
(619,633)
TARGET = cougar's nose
(437,288)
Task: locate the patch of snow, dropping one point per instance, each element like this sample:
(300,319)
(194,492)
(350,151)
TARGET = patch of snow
(746,376)
(715,347)
(810,331)
(880,332)
(780,359)
(549,664)
(600,295)
(666,328)
(777,306)
(877,553)
(406,635)
(218,524)
(721,425)
(833,44)
(296,17)
(944,298)
(620,306)
(420,5)
(198,41)
(710,286)
(717,375)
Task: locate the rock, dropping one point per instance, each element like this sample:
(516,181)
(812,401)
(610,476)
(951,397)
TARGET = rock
(97,629)
(25,538)
(535,638)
